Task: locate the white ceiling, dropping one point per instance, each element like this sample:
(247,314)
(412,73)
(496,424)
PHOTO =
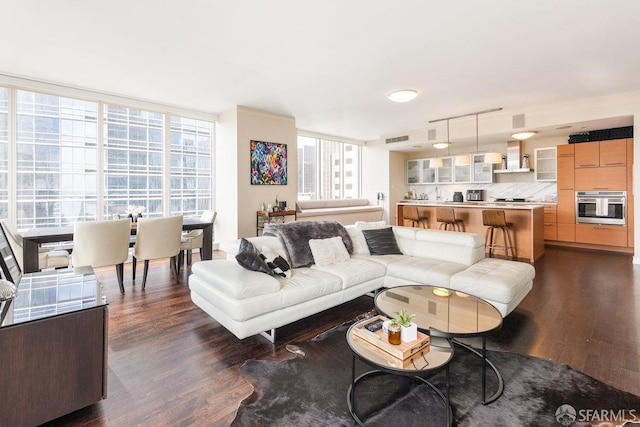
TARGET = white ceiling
(330,63)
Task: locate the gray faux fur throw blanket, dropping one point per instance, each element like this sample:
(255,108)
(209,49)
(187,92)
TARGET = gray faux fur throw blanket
(295,238)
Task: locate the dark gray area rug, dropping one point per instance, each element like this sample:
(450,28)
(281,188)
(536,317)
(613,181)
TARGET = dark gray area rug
(311,390)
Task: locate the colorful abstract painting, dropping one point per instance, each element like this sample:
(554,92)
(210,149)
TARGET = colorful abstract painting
(268,163)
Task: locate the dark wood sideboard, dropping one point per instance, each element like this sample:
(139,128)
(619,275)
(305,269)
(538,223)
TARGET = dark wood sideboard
(53,347)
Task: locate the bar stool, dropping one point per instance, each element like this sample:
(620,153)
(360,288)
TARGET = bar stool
(411,213)
(447,218)
(495,219)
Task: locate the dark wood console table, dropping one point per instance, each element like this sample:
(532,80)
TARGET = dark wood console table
(267,217)
(53,342)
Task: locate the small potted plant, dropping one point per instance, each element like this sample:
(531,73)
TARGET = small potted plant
(408,329)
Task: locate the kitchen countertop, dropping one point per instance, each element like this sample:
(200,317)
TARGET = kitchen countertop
(527,221)
(506,205)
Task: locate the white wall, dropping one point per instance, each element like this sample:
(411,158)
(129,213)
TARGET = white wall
(375,173)
(226,176)
(236,199)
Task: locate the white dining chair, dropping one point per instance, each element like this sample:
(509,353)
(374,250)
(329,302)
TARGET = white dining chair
(102,243)
(193,239)
(157,238)
(47,257)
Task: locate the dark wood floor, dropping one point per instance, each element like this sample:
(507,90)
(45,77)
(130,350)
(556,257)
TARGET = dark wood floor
(171,364)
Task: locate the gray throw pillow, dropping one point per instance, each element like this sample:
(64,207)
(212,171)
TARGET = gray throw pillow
(250,258)
(382,241)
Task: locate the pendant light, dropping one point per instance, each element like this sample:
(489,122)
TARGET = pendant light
(438,163)
(492,157)
(461,159)
(464,160)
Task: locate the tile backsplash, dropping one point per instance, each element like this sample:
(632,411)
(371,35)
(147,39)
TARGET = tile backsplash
(532,191)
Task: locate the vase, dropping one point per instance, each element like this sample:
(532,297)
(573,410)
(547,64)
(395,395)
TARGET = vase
(409,333)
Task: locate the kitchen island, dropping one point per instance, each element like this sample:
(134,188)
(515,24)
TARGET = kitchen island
(527,220)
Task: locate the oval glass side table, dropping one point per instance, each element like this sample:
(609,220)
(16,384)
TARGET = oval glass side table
(439,355)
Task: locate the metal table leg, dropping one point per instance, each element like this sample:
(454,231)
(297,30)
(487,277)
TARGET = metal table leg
(485,362)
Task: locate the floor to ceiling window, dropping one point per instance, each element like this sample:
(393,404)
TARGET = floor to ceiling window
(191,165)
(328,169)
(55,160)
(4,152)
(133,148)
(64,159)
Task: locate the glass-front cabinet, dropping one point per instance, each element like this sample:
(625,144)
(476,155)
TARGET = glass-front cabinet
(423,171)
(545,164)
(428,173)
(482,171)
(414,167)
(462,173)
(445,173)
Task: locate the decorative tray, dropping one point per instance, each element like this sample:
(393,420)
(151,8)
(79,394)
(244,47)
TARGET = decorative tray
(379,339)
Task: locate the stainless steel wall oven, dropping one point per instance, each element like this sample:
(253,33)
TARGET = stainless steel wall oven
(601,207)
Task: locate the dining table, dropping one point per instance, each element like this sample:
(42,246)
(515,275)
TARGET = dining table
(34,237)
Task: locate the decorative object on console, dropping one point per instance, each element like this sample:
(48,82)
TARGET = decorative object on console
(268,163)
(382,242)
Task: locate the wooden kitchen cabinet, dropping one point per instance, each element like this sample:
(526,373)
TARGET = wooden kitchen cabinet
(601,154)
(566,215)
(587,155)
(598,234)
(566,232)
(550,223)
(593,166)
(613,153)
(601,178)
(565,162)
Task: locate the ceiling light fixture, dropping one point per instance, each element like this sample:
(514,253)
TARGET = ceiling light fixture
(523,135)
(441,145)
(404,95)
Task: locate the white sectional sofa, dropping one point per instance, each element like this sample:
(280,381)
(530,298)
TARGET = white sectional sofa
(249,302)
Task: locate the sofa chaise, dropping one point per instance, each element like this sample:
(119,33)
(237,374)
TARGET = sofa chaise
(249,302)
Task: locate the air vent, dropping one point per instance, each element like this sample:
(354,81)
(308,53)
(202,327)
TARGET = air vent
(517,121)
(397,139)
(431,135)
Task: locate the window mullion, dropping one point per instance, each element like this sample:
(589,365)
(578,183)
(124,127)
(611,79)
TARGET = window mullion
(101,183)
(12,209)
(166,173)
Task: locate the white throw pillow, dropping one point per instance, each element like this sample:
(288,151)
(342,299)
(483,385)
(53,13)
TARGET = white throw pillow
(328,251)
(357,238)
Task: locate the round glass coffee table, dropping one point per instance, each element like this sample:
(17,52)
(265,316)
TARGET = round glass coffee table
(443,312)
(439,355)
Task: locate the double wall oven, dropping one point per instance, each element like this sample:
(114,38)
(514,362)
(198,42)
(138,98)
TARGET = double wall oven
(601,207)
